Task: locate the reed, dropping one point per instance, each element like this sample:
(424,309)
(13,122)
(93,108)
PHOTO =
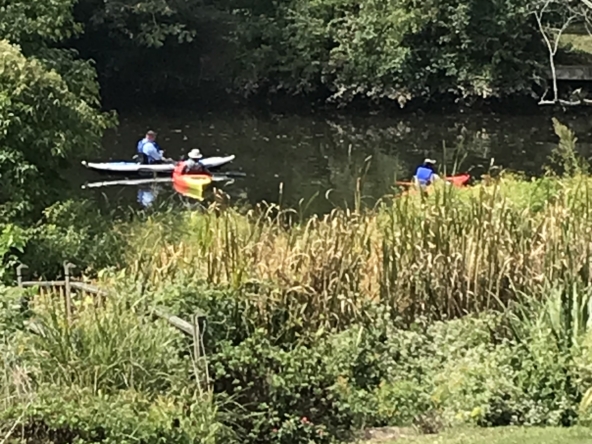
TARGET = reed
(445,254)
(105,348)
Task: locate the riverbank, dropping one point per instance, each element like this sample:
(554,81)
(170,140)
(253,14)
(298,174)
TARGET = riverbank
(471,248)
(462,306)
(466,306)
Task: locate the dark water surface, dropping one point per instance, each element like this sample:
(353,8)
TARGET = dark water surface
(315,153)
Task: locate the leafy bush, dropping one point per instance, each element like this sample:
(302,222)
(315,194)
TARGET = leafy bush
(487,369)
(74,231)
(283,396)
(281,386)
(12,242)
(397,51)
(13,310)
(48,119)
(83,416)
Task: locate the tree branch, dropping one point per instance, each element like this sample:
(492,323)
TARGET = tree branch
(552,37)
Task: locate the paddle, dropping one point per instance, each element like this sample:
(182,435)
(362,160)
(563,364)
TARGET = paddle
(231,173)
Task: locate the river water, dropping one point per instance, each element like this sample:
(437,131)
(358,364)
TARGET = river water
(314,153)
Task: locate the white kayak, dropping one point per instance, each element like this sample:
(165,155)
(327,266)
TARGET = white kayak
(134,167)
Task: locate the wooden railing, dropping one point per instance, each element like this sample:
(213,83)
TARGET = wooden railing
(65,287)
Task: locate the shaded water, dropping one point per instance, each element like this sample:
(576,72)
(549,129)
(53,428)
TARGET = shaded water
(316,153)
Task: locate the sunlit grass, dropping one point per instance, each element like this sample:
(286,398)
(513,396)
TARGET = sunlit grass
(506,435)
(443,254)
(577,42)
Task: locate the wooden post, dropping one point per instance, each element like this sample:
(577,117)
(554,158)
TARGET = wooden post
(202,371)
(68,293)
(196,336)
(19,274)
(196,349)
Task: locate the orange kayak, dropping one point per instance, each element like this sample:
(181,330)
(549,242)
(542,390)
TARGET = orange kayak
(191,185)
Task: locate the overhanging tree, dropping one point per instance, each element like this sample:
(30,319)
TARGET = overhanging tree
(49,105)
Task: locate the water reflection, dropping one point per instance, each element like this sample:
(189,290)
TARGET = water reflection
(313,154)
(146,196)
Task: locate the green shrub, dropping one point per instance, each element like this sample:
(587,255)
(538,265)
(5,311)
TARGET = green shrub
(75,231)
(475,369)
(12,242)
(70,414)
(280,395)
(14,310)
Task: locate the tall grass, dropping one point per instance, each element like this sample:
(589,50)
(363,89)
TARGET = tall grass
(111,374)
(444,254)
(107,348)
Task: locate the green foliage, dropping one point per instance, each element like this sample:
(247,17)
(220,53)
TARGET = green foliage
(120,377)
(482,370)
(162,39)
(584,378)
(74,231)
(397,51)
(148,23)
(520,367)
(34,24)
(42,126)
(283,396)
(13,311)
(12,241)
(565,156)
(472,370)
(394,51)
(115,348)
(49,105)
(83,416)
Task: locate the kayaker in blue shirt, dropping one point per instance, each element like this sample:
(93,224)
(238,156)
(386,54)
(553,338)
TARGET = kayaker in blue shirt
(425,174)
(149,150)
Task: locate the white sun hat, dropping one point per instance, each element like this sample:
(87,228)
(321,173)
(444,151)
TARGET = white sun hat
(195,154)
(428,160)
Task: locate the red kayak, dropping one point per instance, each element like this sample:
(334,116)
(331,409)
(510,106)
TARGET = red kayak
(459,180)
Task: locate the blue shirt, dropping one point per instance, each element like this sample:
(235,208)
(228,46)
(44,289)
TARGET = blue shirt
(424,175)
(150,149)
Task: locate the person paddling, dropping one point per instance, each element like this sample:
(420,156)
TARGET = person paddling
(149,150)
(426,173)
(194,165)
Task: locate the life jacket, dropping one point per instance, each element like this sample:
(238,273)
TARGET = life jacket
(140,148)
(424,175)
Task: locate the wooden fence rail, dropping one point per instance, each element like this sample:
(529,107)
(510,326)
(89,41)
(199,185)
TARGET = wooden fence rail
(193,329)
